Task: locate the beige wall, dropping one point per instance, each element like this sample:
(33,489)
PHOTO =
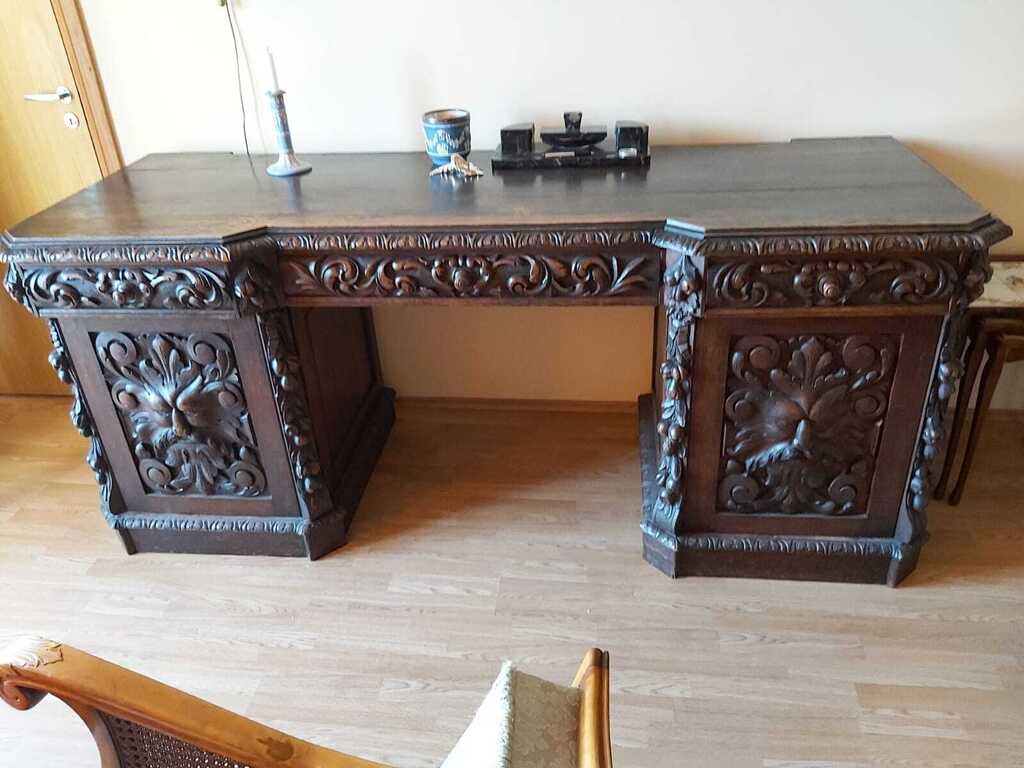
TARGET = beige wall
(943,75)
(587,353)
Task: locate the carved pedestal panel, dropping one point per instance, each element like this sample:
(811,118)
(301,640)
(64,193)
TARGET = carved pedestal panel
(803,422)
(800,401)
(183,411)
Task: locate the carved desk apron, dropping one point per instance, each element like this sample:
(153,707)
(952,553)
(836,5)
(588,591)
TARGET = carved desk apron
(215,329)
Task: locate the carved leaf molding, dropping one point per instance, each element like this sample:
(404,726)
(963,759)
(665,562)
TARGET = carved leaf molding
(464,240)
(472,275)
(299,526)
(837,246)
(790,545)
(106,252)
(803,420)
(180,401)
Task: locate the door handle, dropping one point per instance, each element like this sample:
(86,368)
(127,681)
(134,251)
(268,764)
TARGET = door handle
(61,94)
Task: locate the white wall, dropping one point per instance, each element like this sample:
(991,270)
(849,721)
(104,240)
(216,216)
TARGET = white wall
(944,75)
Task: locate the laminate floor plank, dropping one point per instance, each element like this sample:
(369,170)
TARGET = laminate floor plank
(496,532)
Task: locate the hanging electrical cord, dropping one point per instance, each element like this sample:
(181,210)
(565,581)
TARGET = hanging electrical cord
(254,93)
(238,74)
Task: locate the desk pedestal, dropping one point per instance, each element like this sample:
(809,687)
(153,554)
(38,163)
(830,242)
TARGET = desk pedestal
(801,396)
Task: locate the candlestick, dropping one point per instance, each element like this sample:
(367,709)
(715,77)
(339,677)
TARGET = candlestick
(287,164)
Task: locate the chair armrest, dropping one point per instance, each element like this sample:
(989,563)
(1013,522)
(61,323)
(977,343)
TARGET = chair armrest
(32,667)
(592,678)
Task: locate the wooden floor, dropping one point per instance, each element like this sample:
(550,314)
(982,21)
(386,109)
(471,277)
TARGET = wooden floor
(385,648)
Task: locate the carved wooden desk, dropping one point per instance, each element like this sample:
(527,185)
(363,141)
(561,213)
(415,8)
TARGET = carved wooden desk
(213,324)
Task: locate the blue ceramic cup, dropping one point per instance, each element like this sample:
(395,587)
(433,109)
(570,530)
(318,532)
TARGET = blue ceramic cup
(446,132)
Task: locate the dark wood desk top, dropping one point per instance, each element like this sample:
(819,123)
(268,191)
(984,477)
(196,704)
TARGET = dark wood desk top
(804,185)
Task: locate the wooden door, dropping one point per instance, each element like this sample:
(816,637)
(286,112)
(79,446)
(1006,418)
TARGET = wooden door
(42,159)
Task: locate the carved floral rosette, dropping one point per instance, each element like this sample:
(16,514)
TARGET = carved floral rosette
(803,420)
(180,402)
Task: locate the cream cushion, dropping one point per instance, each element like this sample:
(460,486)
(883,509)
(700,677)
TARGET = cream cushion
(524,722)
(1006,288)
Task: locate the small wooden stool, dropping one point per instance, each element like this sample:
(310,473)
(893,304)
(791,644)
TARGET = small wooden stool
(996,331)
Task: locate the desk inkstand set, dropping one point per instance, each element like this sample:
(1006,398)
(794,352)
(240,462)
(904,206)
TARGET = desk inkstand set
(574,146)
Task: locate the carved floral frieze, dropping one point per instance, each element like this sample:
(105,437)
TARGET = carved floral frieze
(121,288)
(803,420)
(180,401)
(831,283)
(518,275)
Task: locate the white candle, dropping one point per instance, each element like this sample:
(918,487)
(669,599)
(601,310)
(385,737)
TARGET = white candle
(273,70)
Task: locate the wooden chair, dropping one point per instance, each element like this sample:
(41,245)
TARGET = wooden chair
(995,333)
(140,723)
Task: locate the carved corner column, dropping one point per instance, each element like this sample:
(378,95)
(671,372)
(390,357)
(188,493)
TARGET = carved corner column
(324,526)
(664,493)
(111,503)
(973,273)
